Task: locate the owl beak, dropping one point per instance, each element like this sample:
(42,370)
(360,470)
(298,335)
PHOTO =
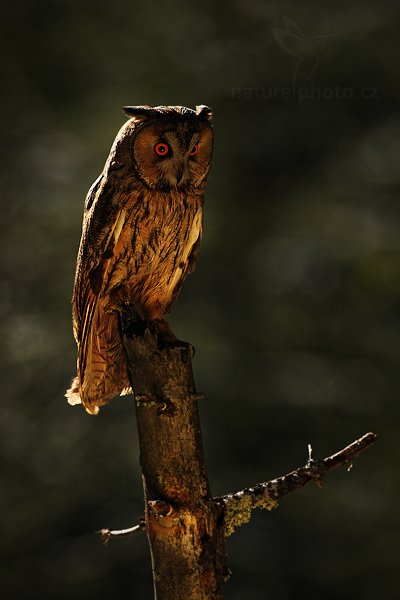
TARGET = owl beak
(179,173)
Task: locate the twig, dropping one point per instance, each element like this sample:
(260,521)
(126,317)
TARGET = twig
(238,506)
(109,534)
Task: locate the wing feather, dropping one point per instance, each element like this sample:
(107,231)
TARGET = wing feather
(101,364)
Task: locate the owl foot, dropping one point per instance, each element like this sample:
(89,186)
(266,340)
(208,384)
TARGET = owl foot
(167,339)
(132,324)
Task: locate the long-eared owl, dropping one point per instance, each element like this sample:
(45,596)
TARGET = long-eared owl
(141,232)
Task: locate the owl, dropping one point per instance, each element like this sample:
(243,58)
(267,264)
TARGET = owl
(142,227)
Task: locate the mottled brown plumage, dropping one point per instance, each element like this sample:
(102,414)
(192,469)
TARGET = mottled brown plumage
(141,232)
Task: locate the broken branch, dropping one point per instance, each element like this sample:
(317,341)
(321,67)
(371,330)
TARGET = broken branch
(108,534)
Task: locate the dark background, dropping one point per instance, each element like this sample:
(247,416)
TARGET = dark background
(294,309)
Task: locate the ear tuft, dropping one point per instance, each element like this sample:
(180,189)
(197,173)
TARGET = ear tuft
(204,112)
(139,112)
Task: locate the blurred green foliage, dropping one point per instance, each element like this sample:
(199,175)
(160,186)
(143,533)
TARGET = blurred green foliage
(294,308)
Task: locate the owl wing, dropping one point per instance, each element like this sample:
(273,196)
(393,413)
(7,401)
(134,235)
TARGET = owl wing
(96,238)
(194,254)
(191,261)
(102,369)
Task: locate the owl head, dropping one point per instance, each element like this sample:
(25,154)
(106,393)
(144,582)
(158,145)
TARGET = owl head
(169,147)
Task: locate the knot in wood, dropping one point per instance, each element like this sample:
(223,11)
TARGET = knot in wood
(160,508)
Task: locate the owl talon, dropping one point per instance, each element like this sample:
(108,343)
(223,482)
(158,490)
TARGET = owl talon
(145,399)
(163,406)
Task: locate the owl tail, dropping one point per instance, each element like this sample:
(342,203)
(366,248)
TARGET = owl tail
(102,364)
(72,393)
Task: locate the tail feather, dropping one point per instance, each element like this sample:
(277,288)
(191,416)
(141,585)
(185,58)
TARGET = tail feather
(72,393)
(102,364)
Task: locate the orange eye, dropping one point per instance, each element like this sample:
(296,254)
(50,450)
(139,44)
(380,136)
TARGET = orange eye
(194,150)
(162,149)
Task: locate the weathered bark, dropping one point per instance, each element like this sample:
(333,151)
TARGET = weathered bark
(183,522)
